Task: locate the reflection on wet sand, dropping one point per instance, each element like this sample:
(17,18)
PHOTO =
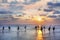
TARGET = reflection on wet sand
(18,35)
(39,35)
(29,33)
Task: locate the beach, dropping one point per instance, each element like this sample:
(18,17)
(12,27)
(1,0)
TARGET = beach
(29,20)
(29,34)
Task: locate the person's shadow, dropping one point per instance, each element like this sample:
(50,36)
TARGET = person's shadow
(54,35)
(18,35)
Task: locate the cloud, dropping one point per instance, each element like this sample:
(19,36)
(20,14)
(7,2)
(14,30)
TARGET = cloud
(28,2)
(56,12)
(54,7)
(48,10)
(5,11)
(54,4)
(52,16)
(3,21)
(28,8)
(16,7)
(7,19)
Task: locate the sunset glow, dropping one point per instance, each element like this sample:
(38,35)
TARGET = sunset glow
(39,35)
(37,18)
(29,19)
(34,10)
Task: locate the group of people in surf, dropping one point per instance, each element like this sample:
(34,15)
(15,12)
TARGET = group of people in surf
(10,27)
(36,27)
(4,28)
(43,28)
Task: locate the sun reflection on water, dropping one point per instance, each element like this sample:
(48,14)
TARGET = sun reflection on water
(39,35)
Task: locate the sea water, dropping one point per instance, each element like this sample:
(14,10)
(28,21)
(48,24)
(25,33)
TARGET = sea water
(30,33)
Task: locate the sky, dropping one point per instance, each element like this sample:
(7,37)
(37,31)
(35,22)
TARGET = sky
(29,11)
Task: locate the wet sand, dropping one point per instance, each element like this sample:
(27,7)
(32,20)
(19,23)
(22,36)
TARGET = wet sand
(29,34)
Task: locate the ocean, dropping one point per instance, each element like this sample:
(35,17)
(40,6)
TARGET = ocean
(30,33)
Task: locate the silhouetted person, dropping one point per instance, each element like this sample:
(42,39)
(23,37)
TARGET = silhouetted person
(25,27)
(41,28)
(44,27)
(18,28)
(3,28)
(9,27)
(35,27)
(49,28)
(38,27)
(53,28)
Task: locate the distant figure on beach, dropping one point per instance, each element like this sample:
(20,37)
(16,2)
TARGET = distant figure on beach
(25,27)
(44,27)
(38,26)
(53,28)
(3,28)
(9,27)
(49,28)
(35,27)
(41,28)
(18,28)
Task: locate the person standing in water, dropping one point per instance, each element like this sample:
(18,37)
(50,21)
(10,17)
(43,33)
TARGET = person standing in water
(41,28)
(18,28)
(3,28)
(53,28)
(49,28)
(25,27)
(9,27)
(35,27)
(44,28)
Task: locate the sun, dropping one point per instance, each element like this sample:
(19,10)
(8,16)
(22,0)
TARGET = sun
(37,18)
